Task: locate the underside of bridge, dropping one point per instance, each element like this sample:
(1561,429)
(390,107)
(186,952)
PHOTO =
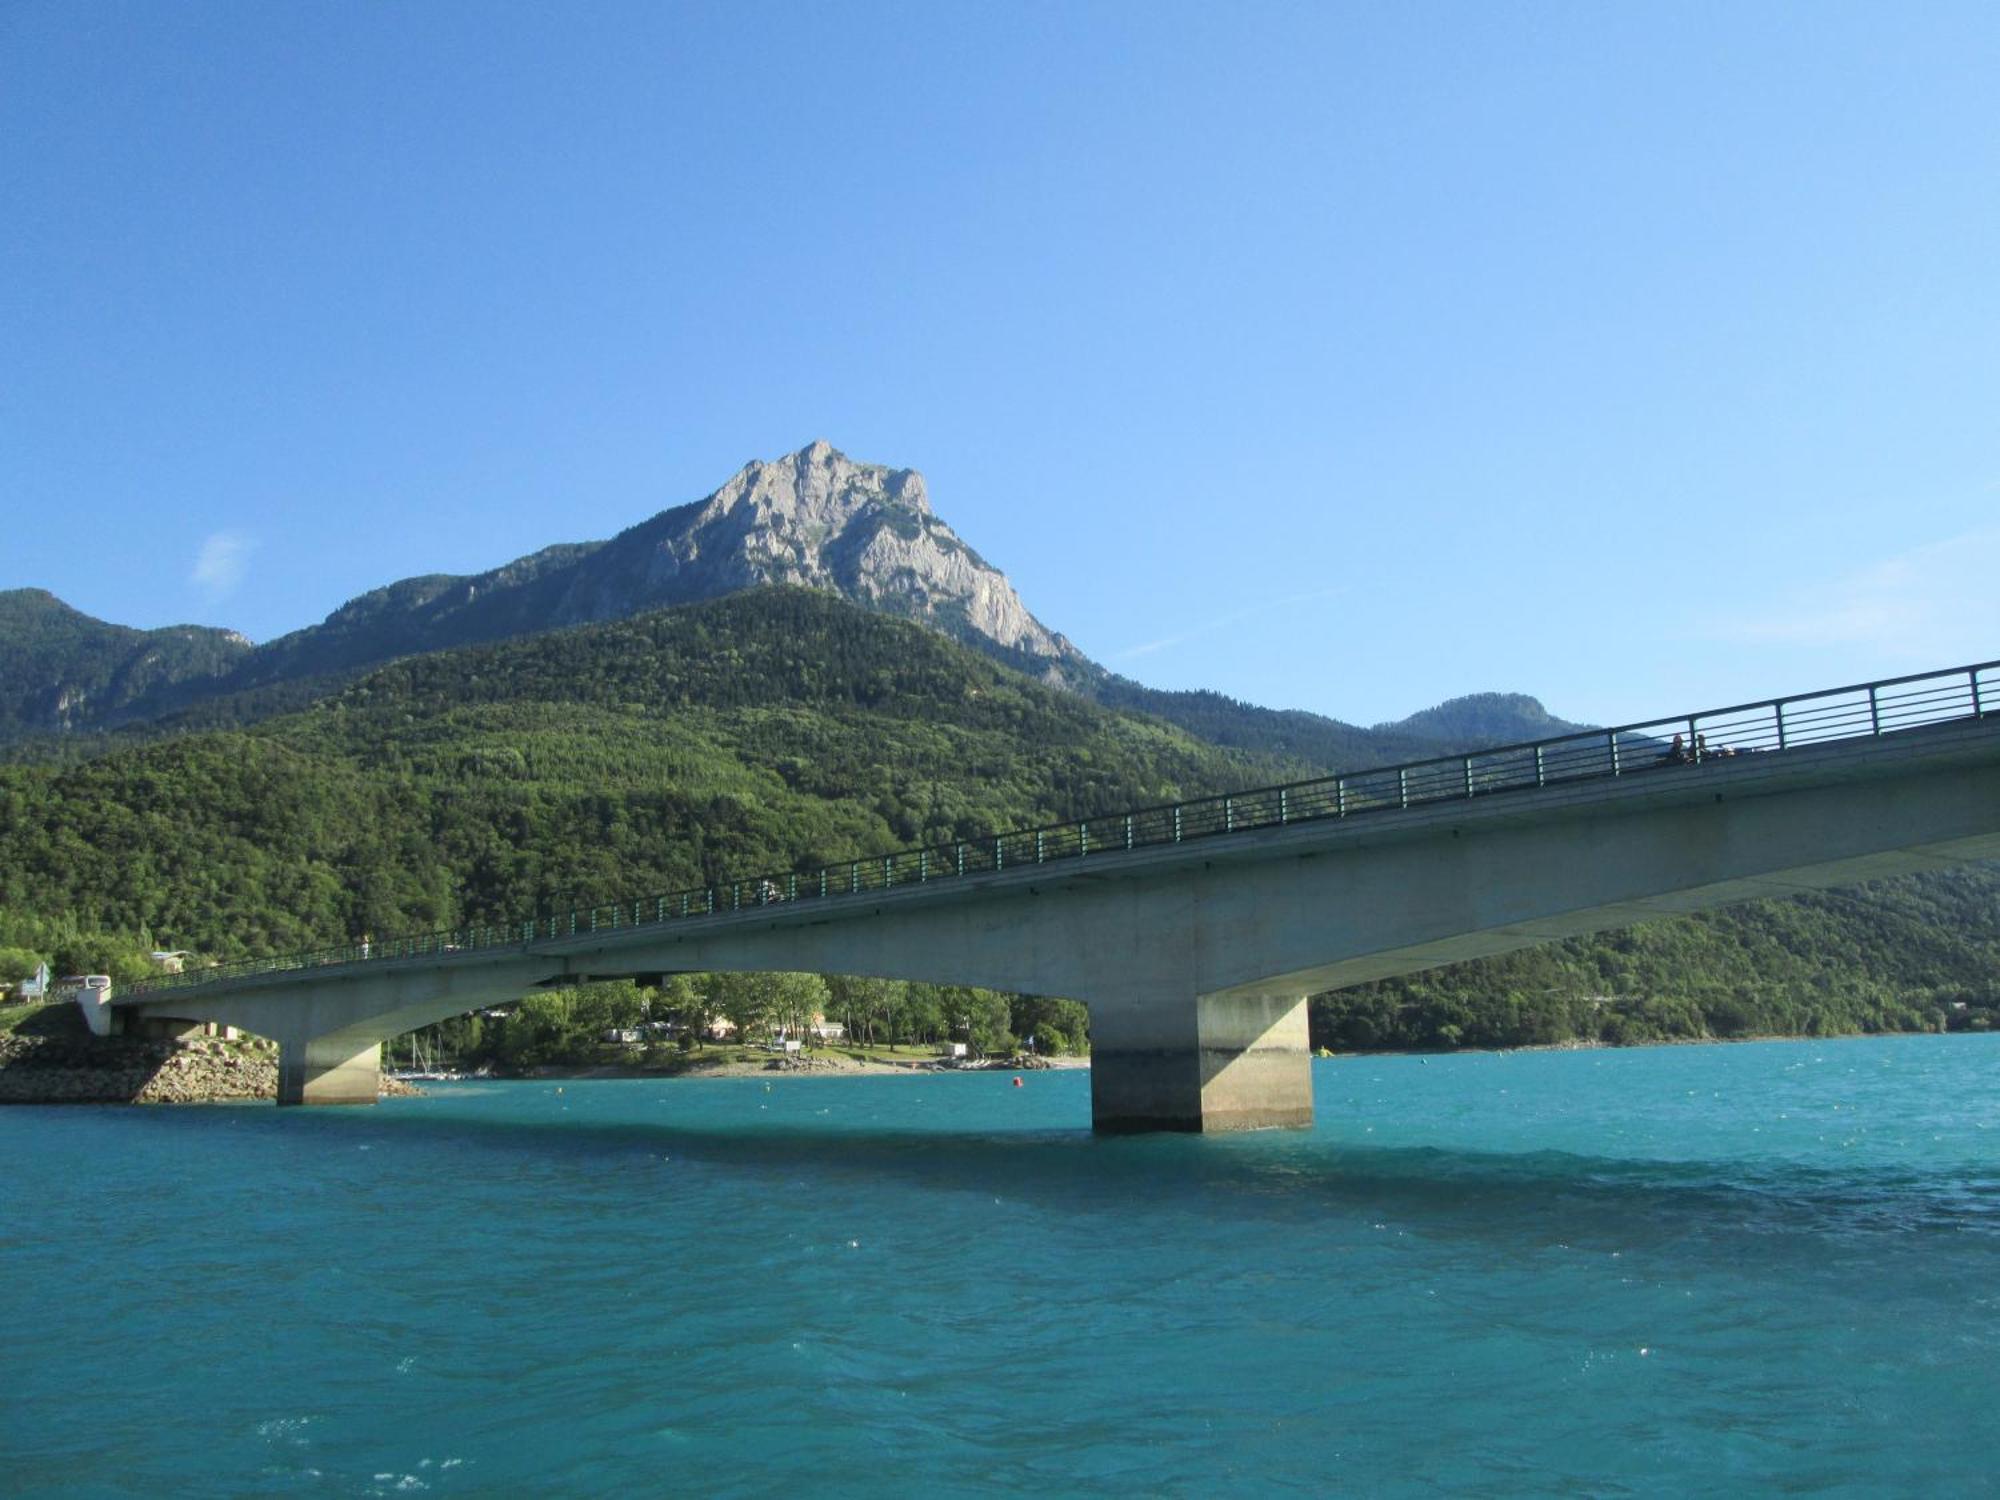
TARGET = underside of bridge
(1196,960)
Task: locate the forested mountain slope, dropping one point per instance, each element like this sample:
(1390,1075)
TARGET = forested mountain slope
(1917,953)
(769,729)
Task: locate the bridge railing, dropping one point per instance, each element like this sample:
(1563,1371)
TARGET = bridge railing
(1771,727)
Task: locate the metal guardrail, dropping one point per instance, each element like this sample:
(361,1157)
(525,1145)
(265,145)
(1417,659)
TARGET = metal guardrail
(1864,711)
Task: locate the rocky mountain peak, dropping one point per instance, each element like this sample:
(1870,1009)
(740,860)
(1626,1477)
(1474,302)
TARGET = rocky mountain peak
(820,486)
(819,518)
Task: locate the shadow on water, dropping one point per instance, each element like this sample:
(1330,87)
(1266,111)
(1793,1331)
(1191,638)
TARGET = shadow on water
(1273,1176)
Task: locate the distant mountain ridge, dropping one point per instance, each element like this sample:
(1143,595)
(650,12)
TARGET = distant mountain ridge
(60,669)
(815,518)
(1482,719)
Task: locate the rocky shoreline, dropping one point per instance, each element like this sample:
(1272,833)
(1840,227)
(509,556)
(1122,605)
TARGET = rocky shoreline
(73,1067)
(119,1070)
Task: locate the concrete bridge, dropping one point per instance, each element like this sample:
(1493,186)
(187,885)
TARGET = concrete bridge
(1194,933)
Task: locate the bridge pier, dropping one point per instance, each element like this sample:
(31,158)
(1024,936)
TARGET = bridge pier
(328,1070)
(1232,1061)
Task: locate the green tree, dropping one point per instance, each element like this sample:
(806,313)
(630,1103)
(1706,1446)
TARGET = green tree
(104,955)
(747,1001)
(979,1018)
(541,1030)
(920,1014)
(865,1007)
(608,1005)
(1044,1017)
(688,1005)
(797,1002)
(17,964)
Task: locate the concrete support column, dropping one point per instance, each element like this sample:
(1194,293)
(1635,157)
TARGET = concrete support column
(1235,1061)
(328,1070)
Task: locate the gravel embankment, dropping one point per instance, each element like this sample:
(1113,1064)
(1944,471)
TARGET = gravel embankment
(116,1070)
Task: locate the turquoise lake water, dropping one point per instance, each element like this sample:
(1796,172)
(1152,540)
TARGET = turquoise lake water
(1768,1268)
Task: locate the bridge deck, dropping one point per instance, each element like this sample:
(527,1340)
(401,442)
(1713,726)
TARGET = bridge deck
(1730,751)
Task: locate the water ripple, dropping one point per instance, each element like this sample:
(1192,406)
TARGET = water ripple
(1765,1268)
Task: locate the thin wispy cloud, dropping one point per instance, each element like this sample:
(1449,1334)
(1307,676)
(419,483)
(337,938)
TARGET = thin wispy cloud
(1935,600)
(219,564)
(1207,627)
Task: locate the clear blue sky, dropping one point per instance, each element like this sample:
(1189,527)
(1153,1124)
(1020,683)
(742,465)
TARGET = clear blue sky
(1337,356)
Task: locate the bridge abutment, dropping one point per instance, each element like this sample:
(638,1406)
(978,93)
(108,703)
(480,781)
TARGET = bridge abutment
(328,1071)
(1231,1061)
